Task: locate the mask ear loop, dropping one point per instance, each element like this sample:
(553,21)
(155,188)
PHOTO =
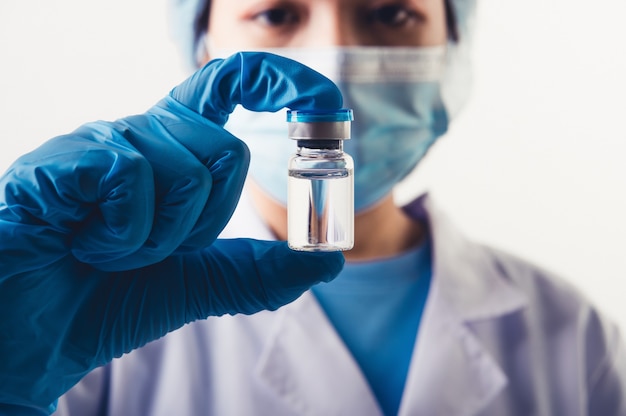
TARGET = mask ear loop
(202,54)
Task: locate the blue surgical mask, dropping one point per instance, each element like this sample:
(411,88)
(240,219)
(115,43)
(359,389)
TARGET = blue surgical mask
(398,115)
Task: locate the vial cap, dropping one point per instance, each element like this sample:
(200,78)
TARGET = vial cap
(315,116)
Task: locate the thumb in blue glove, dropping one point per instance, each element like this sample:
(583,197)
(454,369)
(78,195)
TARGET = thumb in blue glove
(108,234)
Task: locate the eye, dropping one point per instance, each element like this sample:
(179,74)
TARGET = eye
(392,15)
(276,17)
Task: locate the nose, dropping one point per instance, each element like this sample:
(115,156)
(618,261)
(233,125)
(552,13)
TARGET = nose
(332,25)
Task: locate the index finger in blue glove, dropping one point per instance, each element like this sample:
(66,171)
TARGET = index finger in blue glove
(258,81)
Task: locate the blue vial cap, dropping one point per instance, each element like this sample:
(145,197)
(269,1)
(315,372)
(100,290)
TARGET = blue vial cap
(314,116)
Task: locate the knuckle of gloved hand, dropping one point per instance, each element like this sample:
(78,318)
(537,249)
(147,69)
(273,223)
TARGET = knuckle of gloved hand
(196,181)
(240,151)
(126,170)
(226,150)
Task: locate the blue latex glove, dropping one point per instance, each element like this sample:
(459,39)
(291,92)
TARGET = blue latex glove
(108,234)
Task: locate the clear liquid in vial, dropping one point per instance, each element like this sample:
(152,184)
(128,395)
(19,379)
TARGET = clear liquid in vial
(321,209)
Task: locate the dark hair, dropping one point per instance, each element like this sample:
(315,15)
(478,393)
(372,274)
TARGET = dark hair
(200,25)
(451,23)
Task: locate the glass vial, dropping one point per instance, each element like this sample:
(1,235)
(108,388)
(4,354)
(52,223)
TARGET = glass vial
(320,205)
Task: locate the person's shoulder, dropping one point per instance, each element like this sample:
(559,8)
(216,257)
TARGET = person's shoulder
(533,278)
(563,311)
(550,296)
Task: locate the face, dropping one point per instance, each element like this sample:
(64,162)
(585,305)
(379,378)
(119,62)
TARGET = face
(253,24)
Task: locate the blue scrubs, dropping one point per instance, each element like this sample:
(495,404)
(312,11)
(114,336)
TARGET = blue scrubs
(376,308)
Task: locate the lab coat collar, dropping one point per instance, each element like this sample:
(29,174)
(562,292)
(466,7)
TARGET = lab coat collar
(308,367)
(466,274)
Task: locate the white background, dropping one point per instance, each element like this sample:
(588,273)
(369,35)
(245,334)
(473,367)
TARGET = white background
(535,165)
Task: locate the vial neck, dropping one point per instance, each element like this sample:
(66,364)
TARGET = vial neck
(320,147)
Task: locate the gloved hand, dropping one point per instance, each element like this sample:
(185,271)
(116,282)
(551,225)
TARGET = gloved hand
(108,234)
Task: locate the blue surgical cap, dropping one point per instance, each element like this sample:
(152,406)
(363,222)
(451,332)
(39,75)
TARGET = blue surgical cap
(189,20)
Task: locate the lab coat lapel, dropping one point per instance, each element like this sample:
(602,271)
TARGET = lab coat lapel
(304,362)
(452,372)
(308,367)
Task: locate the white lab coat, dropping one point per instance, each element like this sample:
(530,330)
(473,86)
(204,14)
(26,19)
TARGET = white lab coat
(498,337)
